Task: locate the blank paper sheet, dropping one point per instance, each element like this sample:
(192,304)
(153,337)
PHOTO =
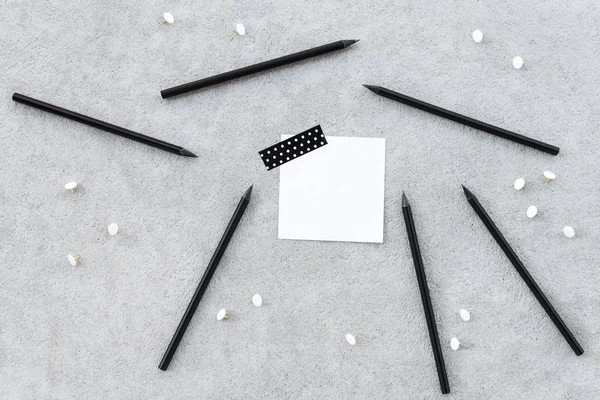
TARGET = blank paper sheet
(334,193)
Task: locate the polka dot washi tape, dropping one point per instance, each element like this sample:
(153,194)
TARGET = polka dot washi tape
(292,148)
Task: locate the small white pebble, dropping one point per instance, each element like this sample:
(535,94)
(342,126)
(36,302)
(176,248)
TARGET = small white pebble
(519,184)
(257,300)
(240,29)
(465,315)
(477,36)
(532,211)
(113,229)
(222,314)
(549,176)
(454,344)
(518,62)
(569,231)
(351,339)
(168,18)
(71,186)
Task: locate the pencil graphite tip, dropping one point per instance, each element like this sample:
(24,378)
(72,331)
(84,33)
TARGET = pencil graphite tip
(248,193)
(350,42)
(187,153)
(404,200)
(374,89)
(467,192)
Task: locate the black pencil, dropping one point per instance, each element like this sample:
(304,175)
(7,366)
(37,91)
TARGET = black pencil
(518,264)
(473,123)
(105,126)
(253,69)
(210,270)
(424,289)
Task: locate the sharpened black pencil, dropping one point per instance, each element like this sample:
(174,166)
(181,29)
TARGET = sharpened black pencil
(253,69)
(105,126)
(473,123)
(520,267)
(424,289)
(210,270)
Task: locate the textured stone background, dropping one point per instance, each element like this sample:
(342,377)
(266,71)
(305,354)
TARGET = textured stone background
(99,330)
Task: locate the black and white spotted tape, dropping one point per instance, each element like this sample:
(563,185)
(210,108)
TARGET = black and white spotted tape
(294,147)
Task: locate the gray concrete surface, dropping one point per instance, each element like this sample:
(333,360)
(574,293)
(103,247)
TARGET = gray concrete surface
(98,331)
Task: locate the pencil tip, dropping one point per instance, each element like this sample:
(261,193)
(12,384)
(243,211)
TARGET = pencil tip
(350,42)
(248,193)
(187,153)
(467,192)
(404,200)
(374,89)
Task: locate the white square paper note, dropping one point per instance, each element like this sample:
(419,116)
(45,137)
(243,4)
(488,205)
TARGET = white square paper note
(335,193)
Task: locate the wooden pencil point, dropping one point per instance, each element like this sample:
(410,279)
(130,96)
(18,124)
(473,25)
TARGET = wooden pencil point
(374,89)
(187,153)
(468,193)
(350,42)
(248,193)
(404,200)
